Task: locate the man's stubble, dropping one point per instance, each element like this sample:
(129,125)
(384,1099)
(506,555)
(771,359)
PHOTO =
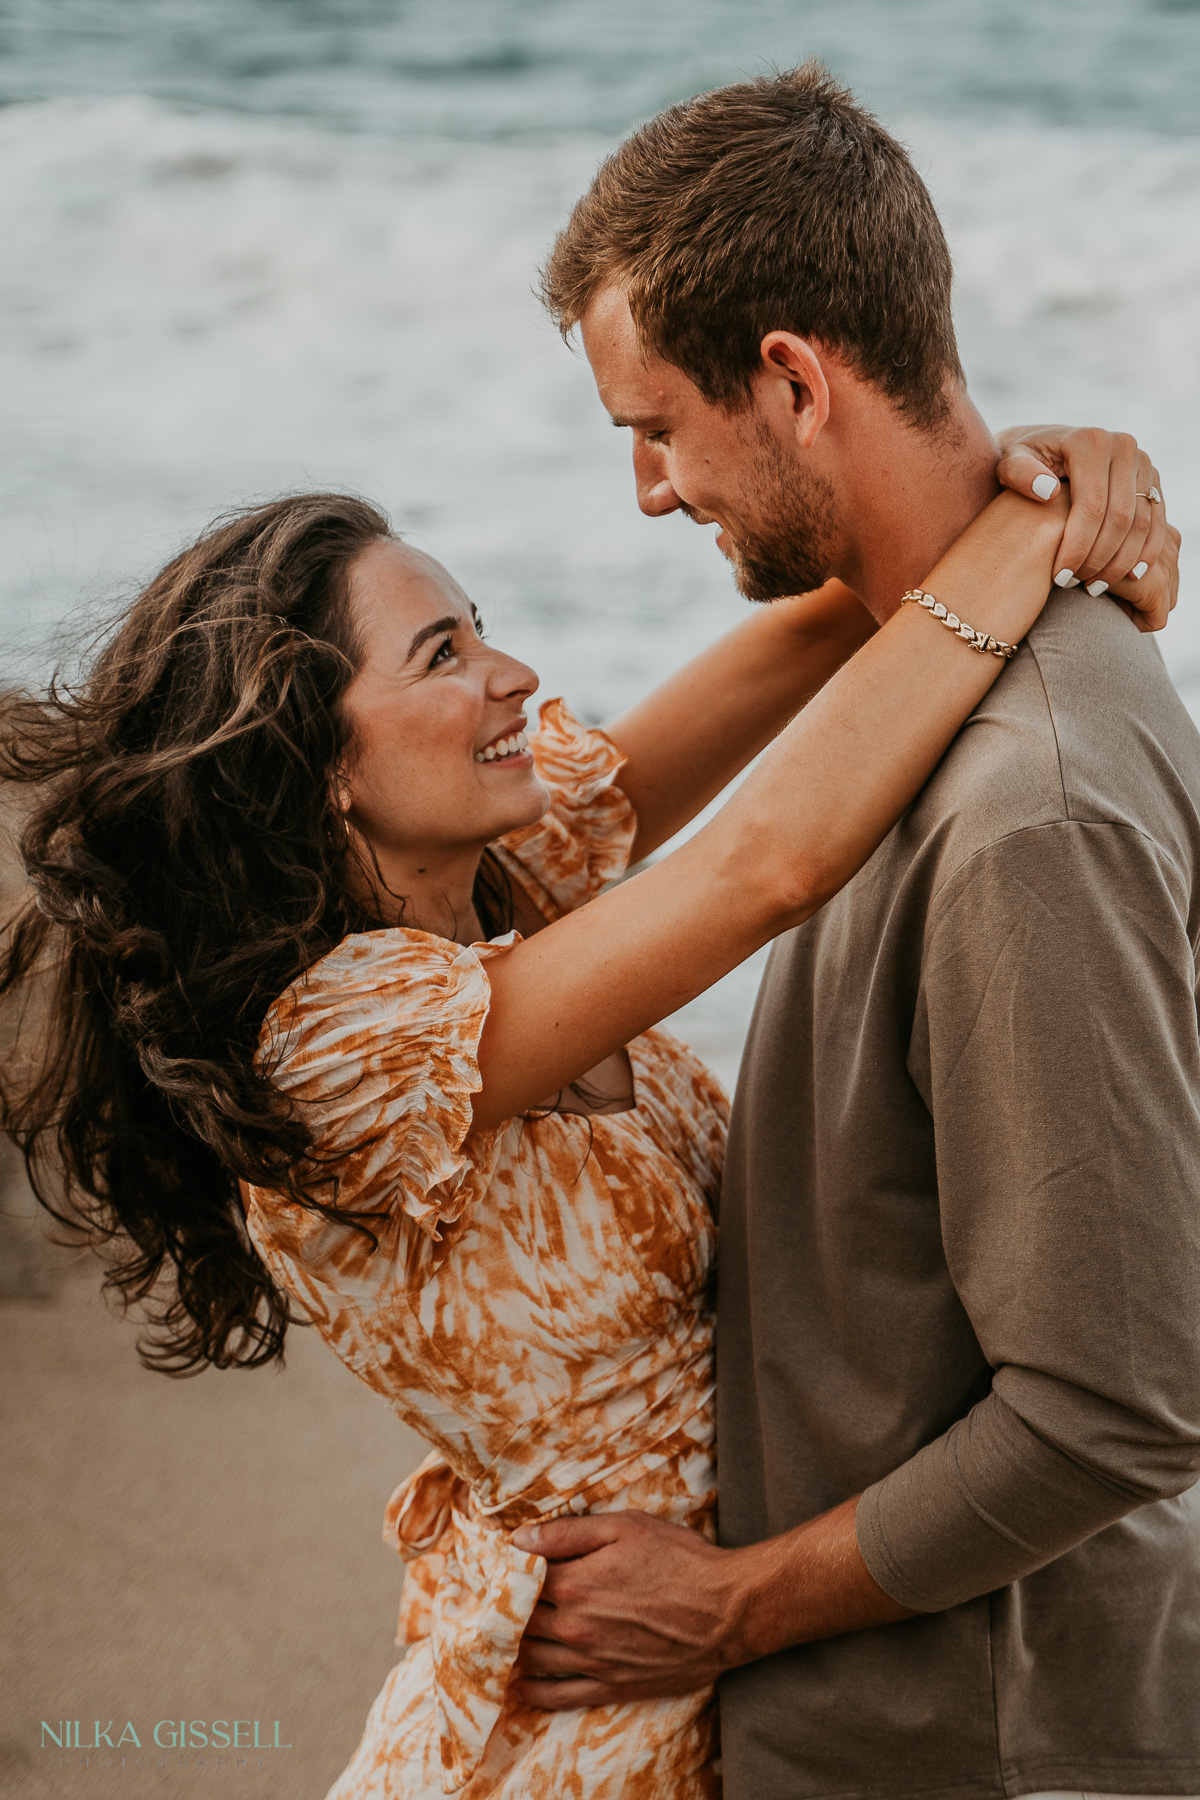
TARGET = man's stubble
(789,547)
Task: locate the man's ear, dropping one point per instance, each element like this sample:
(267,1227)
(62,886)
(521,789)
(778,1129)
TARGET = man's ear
(796,366)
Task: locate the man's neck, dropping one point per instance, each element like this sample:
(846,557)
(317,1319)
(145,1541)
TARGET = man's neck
(906,502)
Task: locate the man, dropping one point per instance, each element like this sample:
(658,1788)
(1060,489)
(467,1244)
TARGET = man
(959,1311)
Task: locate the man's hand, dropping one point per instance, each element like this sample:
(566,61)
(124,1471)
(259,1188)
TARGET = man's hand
(1113,530)
(634,1608)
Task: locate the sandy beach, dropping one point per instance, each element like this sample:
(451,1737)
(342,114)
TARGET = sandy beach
(205,1549)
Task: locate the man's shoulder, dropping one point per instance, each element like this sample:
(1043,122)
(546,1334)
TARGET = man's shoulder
(1084,727)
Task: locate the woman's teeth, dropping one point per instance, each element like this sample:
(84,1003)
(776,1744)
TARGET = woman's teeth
(509,746)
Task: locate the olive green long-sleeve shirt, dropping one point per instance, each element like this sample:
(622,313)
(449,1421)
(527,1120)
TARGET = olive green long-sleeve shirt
(960,1260)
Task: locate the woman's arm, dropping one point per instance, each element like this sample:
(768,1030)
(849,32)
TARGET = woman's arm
(691,736)
(798,828)
(694,733)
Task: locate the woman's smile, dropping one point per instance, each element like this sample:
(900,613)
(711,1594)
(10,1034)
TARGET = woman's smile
(511,748)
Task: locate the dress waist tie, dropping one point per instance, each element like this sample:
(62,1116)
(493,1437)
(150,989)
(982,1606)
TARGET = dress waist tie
(471,1592)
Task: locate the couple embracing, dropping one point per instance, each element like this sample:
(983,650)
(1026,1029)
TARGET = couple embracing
(355,1022)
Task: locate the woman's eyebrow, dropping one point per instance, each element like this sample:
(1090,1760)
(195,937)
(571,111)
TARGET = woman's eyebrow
(451,622)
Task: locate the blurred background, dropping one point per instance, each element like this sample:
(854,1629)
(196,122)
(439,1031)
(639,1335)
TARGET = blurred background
(253,245)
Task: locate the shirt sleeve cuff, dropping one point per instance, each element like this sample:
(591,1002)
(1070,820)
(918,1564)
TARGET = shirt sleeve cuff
(983,1505)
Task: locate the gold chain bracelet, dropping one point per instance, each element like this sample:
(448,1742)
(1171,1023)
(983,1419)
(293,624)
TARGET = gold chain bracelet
(978,640)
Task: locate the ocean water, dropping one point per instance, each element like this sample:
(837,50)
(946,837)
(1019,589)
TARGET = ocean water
(275,244)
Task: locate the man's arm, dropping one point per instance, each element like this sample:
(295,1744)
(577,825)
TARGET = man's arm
(642,1608)
(1056,1045)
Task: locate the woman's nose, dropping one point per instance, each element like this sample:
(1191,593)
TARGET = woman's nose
(510,679)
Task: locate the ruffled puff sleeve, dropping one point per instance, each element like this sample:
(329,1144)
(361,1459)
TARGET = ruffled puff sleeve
(377,1045)
(585,836)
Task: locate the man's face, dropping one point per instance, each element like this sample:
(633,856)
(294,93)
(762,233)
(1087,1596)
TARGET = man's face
(741,470)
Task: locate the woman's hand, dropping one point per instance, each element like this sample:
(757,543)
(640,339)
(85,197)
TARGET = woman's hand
(1113,529)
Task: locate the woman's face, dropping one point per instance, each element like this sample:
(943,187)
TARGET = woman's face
(435,712)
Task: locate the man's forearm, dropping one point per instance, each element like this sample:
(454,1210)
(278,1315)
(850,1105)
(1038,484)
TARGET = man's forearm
(809,1583)
(635,1608)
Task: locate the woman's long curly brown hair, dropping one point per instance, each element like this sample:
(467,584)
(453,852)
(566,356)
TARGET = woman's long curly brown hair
(188,861)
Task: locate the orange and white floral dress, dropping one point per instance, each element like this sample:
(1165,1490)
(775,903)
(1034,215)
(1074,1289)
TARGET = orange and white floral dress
(538,1308)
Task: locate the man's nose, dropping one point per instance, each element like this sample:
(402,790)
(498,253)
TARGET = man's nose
(655,495)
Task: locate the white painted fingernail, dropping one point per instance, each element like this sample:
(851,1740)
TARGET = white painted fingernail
(1065,578)
(1139,569)
(1044,486)
(1096,588)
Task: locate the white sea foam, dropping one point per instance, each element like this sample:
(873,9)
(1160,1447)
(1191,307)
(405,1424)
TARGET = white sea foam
(199,308)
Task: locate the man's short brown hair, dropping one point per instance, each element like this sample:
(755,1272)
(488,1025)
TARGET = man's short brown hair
(776,204)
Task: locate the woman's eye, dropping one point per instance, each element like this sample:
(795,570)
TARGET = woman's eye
(444,649)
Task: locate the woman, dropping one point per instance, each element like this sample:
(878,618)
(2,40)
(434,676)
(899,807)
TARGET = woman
(292,820)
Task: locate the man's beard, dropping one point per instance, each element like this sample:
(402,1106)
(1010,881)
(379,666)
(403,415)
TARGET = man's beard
(791,553)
